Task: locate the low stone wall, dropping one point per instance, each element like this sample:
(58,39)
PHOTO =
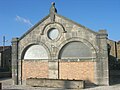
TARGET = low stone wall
(56,83)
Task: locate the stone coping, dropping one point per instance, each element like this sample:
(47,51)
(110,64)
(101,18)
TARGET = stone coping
(62,60)
(56,83)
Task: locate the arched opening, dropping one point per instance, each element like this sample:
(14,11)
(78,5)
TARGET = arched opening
(76,61)
(75,49)
(36,52)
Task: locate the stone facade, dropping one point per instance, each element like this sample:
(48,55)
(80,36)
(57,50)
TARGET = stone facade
(58,48)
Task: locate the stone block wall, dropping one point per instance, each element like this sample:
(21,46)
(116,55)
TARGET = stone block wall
(114,55)
(69,31)
(118,50)
(114,49)
(56,83)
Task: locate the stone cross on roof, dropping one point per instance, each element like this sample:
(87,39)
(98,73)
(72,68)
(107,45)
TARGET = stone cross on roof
(53,10)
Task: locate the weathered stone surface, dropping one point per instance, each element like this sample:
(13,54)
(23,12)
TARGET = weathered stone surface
(15,60)
(55,83)
(69,31)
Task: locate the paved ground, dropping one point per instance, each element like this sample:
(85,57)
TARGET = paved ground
(7,84)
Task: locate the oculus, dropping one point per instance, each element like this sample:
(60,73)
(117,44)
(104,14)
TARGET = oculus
(53,34)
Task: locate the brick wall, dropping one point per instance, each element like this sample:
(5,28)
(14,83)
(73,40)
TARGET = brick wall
(67,70)
(77,70)
(34,69)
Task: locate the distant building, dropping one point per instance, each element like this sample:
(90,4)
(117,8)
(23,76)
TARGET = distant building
(59,48)
(114,54)
(5,58)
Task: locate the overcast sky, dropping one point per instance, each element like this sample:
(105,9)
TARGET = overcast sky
(18,16)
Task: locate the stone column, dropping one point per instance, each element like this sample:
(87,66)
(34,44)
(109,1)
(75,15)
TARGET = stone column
(102,68)
(53,69)
(53,64)
(15,60)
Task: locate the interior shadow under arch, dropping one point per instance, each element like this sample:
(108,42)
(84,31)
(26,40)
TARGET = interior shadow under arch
(74,50)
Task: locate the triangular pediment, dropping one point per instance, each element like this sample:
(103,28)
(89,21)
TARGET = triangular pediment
(35,26)
(75,23)
(67,24)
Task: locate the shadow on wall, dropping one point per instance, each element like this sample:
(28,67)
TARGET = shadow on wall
(114,70)
(114,64)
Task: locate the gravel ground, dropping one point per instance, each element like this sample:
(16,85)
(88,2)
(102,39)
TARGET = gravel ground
(7,85)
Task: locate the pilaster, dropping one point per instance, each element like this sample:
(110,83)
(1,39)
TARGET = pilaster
(102,62)
(15,60)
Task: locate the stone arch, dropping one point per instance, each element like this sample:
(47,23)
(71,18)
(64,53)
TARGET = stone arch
(39,47)
(53,25)
(75,39)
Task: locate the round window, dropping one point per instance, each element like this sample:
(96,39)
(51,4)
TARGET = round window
(53,33)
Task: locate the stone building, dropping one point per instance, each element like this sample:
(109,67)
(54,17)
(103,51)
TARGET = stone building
(5,58)
(114,54)
(59,48)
